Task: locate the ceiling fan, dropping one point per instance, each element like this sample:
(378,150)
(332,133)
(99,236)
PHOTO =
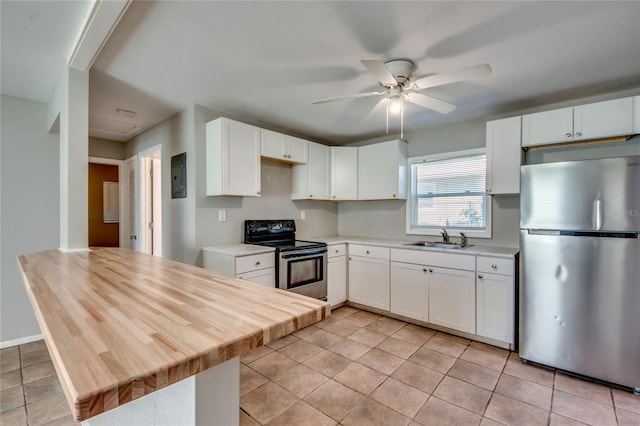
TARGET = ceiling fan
(395,77)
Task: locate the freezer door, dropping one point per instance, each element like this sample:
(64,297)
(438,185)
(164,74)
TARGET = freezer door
(591,195)
(580,305)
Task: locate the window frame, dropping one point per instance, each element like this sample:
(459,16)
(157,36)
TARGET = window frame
(411,229)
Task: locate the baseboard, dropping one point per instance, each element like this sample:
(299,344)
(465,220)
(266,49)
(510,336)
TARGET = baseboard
(20,341)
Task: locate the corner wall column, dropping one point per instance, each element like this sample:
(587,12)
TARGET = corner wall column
(74,160)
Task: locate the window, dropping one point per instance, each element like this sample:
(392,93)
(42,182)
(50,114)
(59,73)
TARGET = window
(448,191)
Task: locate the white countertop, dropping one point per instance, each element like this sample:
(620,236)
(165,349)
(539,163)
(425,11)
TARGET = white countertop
(473,249)
(238,249)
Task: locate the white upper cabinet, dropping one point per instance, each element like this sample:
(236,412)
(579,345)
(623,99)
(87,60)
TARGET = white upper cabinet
(583,122)
(233,158)
(382,171)
(636,115)
(311,181)
(504,156)
(283,147)
(344,173)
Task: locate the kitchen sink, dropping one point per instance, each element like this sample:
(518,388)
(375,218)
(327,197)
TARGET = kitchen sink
(438,244)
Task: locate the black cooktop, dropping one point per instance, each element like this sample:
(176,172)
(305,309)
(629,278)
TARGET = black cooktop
(280,234)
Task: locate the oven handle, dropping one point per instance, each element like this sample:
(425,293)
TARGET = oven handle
(304,253)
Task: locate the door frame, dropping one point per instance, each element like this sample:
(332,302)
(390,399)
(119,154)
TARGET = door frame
(146,201)
(121,194)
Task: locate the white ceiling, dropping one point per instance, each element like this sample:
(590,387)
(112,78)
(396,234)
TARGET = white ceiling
(264,62)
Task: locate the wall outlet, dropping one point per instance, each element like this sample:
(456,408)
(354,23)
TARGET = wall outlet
(222,215)
(303,215)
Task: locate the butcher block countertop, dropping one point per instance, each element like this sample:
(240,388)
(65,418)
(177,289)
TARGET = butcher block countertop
(120,324)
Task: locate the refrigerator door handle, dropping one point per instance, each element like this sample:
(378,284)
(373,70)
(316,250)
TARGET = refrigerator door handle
(597,215)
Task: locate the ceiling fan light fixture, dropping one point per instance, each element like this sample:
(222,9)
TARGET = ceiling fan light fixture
(395,105)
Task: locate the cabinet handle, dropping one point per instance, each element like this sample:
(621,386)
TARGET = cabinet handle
(488,190)
(480,276)
(568,135)
(258,192)
(258,263)
(424,269)
(394,195)
(430,270)
(337,251)
(367,251)
(310,195)
(578,134)
(494,266)
(334,196)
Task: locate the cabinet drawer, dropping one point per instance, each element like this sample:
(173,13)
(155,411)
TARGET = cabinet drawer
(369,251)
(255,262)
(337,250)
(495,265)
(443,260)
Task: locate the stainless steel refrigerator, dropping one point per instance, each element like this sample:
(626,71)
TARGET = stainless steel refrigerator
(580,267)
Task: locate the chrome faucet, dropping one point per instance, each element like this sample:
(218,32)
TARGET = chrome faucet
(445,236)
(463,240)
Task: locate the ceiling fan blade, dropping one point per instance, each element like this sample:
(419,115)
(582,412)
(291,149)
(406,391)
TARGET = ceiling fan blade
(430,102)
(380,71)
(469,73)
(340,98)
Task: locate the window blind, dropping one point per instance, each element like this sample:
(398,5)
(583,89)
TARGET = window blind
(450,193)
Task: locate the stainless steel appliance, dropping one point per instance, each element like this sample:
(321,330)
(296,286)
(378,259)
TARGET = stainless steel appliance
(580,269)
(301,265)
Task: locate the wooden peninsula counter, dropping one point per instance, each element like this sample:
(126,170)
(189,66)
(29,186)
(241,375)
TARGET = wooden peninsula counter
(120,325)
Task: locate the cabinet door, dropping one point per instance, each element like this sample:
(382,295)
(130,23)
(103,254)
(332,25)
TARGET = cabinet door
(336,280)
(636,115)
(266,277)
(344,173)
(382,171)
(297,150)
(409,291)
(495,305)
(452,299)
(603,119)
(311,181)
(273,144)
(504,156)
(547,127)
(369,282)
(233,158)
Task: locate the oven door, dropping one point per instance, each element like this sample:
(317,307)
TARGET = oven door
(304,272)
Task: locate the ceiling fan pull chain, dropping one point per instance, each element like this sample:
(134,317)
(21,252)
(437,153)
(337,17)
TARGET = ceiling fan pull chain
(401,118)
(388,101)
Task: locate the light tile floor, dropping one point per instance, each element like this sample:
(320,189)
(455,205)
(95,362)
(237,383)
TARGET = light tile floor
(359,368)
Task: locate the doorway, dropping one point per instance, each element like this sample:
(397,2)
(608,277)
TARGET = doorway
(151,201)
(105,206)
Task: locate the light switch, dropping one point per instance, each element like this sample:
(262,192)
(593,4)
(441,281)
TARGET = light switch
(222,215)
(303,215)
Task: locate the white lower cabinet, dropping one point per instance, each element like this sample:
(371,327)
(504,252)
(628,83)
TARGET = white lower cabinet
(265,276)
(336,274)
(452,299)
(257,268)
(410,291)
(369,276)
(495,299)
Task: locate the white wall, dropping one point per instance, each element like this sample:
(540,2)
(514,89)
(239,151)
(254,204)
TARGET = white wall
(192,223)
(387,219)
(30,214)
(103,148)
(175,135)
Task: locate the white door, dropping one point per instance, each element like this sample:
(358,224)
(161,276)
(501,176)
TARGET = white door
(369,282)
(336,280)
(150,231)
(131,228)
